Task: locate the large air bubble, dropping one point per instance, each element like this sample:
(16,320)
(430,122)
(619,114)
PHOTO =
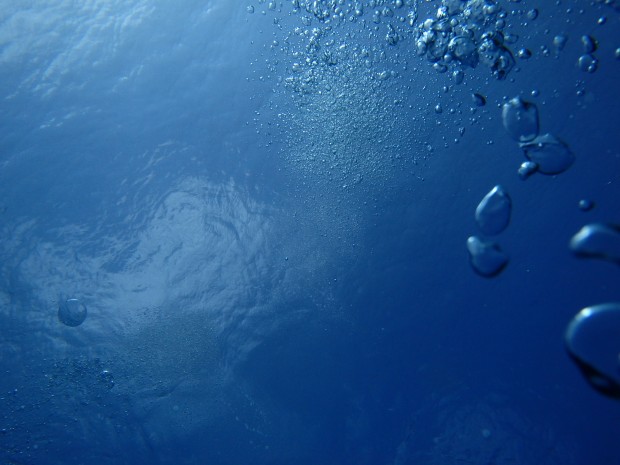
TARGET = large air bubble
(72,312)
(597,240)
(493,211)
(593,342)
(551,155)
(520,119)
(486,257)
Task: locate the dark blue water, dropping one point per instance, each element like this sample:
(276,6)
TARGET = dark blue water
(236,232)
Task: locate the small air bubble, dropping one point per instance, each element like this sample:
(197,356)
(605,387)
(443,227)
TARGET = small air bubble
(559,41)
(589,44)
(486,258)
(479,100)
(588,63)
(527,169)
(586,205)
(532,14)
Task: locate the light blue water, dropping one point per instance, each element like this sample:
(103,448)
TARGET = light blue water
(237,232)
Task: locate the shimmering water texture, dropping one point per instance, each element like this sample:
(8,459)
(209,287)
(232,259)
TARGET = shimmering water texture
(593,343)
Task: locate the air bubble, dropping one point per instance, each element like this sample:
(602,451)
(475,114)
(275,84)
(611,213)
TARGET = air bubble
(524,54)
(588,63)
(493,211)
(527,169)
(589,44)
(597,240)
(486,257)
(107,379)
(458,76)
(464,50)
(479,100)
(586,205)
(492,53)
(520,119)
(559,41)
(532,14)
(550,154)
(593,343)
(72,312)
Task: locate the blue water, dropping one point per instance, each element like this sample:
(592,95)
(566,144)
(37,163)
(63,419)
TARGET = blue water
(263,208)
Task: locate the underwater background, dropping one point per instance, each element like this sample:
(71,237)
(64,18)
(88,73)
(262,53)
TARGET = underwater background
(309,232)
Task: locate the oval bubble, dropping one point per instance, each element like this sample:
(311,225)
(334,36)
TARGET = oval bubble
(72,312)
(527,169)
(464,50)
(107,378)
(597,240)
(551,155)
(520,119)
(493,211)
(486,258)
(479,100)
(589,44)
(585,205)
(593,343)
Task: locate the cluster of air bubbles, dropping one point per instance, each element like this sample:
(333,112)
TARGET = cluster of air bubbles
(338,62)
(588,62)
(72,312)
(593,336)
(544,153)
(492,217)
(464,34)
